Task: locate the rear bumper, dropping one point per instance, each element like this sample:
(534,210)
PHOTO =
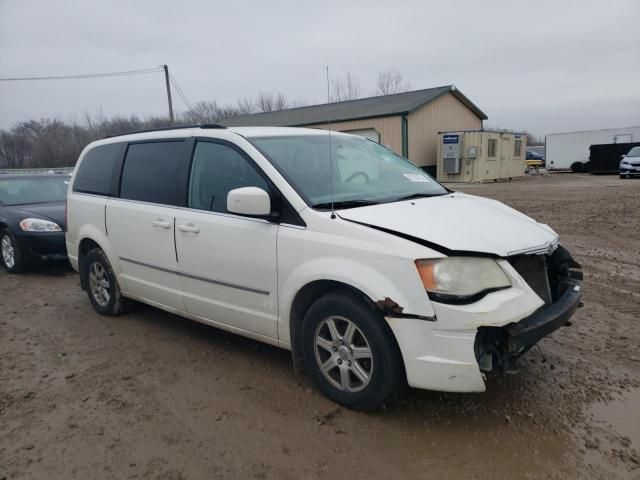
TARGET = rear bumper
(43,246)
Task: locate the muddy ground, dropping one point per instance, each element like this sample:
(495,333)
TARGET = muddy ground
(150,395)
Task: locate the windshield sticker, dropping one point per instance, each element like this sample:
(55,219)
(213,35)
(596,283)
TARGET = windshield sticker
(416,177)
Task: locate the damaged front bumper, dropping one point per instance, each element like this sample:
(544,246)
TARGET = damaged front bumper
(501,346)
(451,352)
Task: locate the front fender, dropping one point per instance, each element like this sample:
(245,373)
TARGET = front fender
(395,283)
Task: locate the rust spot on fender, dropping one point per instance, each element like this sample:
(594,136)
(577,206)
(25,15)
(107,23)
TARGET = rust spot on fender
(389,306)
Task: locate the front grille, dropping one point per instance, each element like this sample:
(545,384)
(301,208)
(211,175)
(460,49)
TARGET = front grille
(533,269)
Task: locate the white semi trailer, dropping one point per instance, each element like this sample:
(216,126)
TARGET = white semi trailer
(570,151)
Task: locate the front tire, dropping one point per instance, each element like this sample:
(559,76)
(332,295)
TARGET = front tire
(350,352)
(13,259)
(102,284)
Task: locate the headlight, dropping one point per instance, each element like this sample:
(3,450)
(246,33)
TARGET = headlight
(39,225)
(461,279)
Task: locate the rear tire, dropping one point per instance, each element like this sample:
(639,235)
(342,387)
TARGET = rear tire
(102,284)
(13,259)
(351,353)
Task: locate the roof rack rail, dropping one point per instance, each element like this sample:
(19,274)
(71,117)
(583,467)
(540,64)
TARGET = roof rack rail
(169,127)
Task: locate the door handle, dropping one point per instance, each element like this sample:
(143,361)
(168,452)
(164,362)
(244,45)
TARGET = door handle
(159,222)
(188,228)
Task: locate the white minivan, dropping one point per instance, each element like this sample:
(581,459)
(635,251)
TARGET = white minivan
(327,244)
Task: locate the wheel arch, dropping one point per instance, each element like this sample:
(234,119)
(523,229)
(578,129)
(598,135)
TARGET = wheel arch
(305,297)
(84,247)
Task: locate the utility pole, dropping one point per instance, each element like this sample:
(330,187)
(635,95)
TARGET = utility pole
(166,79)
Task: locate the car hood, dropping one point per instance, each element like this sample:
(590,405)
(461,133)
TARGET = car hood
(459,223)
(53,211)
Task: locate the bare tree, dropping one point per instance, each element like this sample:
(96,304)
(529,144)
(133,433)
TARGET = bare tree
(347,88)
(202,112)
(246,106)
(280,102)
(265,102)
(391,82)
(52,143)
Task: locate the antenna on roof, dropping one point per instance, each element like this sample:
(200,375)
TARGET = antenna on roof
(333,213)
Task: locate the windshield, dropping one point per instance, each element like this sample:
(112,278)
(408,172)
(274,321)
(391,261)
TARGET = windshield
(634,152)
(22,191)
(364,172)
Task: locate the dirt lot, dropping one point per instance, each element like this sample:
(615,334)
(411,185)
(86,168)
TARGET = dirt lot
(150,395)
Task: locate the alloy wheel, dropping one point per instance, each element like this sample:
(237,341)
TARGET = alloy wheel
(8,252)
(99,284)
(343,354)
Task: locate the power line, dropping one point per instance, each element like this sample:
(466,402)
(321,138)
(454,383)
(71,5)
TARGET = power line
(80,76)
(180,92)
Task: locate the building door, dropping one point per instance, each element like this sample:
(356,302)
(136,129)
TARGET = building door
(492,170)
(506,154)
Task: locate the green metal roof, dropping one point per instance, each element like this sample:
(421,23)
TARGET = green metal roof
(371,107)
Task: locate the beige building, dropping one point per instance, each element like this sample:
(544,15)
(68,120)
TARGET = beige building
(408,122)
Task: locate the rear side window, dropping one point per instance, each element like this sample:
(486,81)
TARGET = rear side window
(151,173)
(96,169)
(217,169)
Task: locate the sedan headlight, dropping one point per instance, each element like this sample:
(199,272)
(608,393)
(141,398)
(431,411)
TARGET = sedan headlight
(39,225)
(461,280)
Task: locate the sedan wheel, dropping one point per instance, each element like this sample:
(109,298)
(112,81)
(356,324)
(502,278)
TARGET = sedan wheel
(344,354)
(8,251)
(10,255)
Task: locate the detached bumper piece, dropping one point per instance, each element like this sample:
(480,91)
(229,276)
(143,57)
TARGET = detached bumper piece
(557,279)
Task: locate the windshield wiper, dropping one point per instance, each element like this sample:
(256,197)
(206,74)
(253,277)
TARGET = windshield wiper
(418,195)
(345,204)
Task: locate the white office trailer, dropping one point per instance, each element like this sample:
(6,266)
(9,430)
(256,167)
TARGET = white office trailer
(570,151)
(480,155)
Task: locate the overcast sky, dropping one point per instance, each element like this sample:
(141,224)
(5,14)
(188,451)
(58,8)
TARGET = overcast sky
(544,66)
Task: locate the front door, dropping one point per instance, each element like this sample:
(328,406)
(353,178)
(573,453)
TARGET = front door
(226,262)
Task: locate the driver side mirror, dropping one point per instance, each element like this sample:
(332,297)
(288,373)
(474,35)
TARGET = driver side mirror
(251,201)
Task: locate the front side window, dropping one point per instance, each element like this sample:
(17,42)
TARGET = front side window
(492,148)
(28,190)
(151,172)
(216,170)
(347,170)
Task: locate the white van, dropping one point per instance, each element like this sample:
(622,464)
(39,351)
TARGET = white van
(326,244)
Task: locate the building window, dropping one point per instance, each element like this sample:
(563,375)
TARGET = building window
(518,149)
(493,147)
